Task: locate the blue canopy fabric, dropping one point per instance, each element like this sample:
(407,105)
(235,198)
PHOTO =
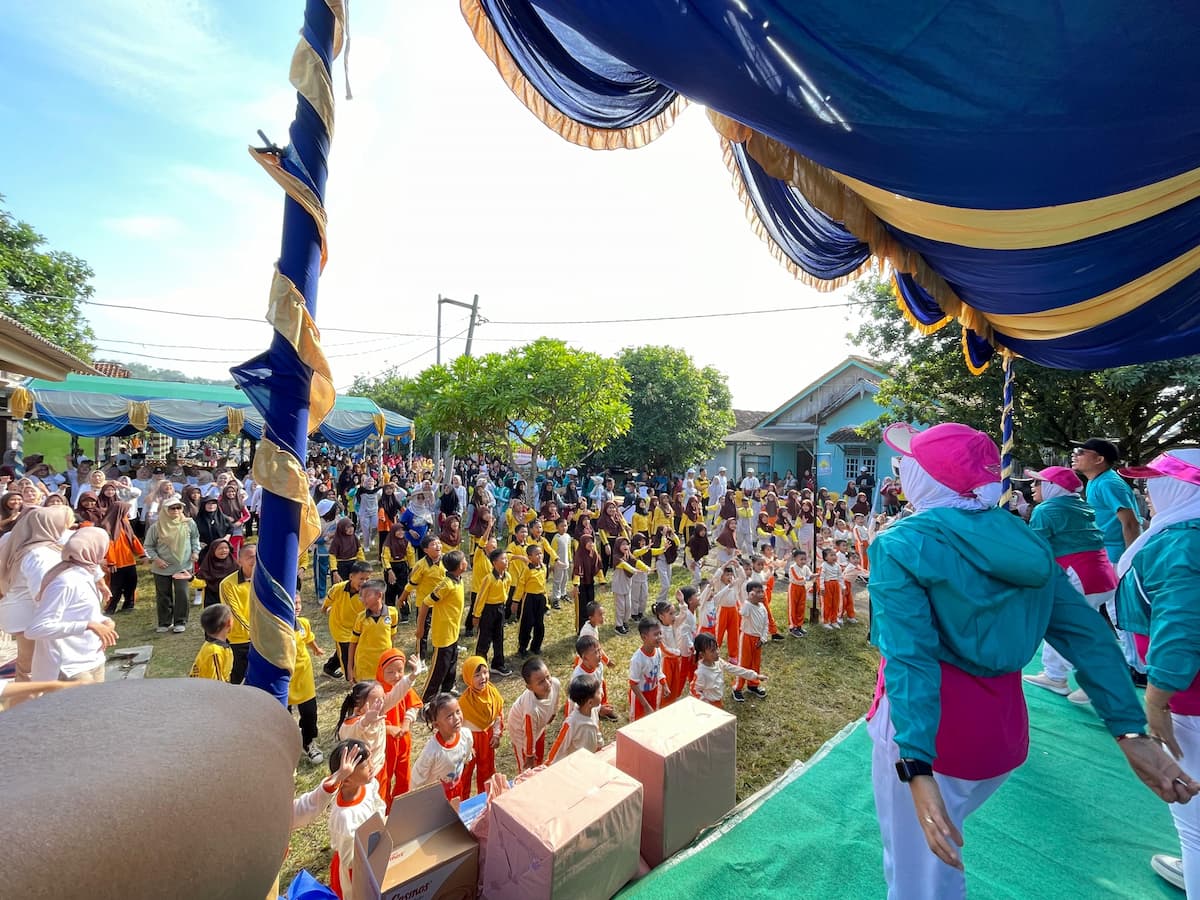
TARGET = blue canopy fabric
(1032,168)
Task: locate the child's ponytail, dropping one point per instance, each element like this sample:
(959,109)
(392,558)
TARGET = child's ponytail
(354,699)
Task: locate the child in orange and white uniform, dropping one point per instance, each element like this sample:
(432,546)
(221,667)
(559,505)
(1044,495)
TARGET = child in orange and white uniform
(444,757)
(727,596)
(647,683)
(395,776)
(831,589)
(706,608)
(593,619)
(363,716)
(755,633)
(862,540)
(581,730)
(762,567)
(672,651)
(532,713)
(483,713)
(800,579)
(357,800)
(590,660)
(711,671)
(687,600)
(851,572)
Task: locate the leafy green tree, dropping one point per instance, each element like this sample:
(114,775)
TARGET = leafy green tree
(681,412)
(1145,408)
(399,393)
(545,399)
(44,289)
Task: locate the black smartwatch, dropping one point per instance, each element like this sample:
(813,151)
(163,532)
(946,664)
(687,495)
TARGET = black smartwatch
(908,769)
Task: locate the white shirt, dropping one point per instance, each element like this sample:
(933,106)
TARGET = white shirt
(16,607)
(750,483)
(717,488)
(646,671)
(799,574)
(754,621)
(529,717)
(686,625)
(344,822)
(709,685)
(579,732)
(589,629)
(441,764)
(60,626)
(689,488)
(562,553)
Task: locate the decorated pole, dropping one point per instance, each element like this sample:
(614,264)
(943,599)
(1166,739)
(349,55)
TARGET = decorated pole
(290,384)
(1006,432)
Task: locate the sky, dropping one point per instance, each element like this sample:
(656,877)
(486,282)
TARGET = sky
(125,144)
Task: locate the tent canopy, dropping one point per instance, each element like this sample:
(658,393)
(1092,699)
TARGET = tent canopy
(94,406)
(1030,169)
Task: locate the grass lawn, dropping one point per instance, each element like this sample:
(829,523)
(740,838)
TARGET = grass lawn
(817,684)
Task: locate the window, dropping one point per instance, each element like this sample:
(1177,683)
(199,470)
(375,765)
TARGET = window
(760,464)
(856,458)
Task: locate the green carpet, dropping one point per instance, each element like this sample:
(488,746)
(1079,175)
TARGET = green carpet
(1073,822)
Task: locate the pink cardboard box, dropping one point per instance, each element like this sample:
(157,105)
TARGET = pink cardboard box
(685,756)
(571,832)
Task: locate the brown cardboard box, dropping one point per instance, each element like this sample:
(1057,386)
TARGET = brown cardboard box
(685,756)
(423,851)
(571,832)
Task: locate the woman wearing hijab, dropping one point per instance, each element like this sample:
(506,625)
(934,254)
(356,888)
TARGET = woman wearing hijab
(1156,603)
(160,493)
(124,549)
(610,526)
(390,509)
(87,509)
(218,562)
(451,532)
(30,550)
(962,593)
(173,545)
(344,548)
(11,505)
(211,523)
(192,500)
(55,499)
(726,541)
(587,570)
(698,548)
(68,628)
(233,510)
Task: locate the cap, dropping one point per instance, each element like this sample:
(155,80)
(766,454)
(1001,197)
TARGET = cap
(1182,464)
(324,506)
(954,454)
(750,471)
(722,469)
(1062,476)
(1104,448)
(174,501)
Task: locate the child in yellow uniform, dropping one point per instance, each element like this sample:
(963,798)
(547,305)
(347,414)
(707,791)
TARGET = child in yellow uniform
(446,602)
(530,592)
(302,689)
(516,567)
(480,566)
(489,611)
(426,575)
(234,591)
(343,605)
(373,632)
(215,658)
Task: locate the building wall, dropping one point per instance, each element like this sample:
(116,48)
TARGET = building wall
(857,412)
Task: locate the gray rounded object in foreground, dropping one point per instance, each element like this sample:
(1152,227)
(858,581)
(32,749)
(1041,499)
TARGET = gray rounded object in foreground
(176,788)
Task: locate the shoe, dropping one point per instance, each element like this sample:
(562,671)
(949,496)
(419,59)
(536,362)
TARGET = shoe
(127,607)
(110,610)
(851,621)
(1079,695)
(637,617)
(555,605)
(760,693)
(837,625)
(404,620)
(621,629)
(502,673)
(524,654)
(1168,868)
(797,632)
(1042,680)
(1139,678)
(315,756)
(179,629)
(162,629)
(197,601)
(827,626)
(777,636)
(337,673)
(739,696)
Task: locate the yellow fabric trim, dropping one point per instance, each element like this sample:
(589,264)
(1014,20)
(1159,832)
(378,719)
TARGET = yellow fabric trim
(764,235)
(912,320)
(310,78)
(271,636)
(1023,229)
(139,414)
(298,191)
(380,423)
(235,420)
(288,315)
(282,474)
(576,132)
(20,402)
(971,367)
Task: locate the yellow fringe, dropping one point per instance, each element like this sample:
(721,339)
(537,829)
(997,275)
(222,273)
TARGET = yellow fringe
(971,367)
(576,132)
(912,320)
(760,229)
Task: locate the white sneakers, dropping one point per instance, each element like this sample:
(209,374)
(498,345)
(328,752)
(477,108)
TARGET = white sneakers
(1168,868)
(1079,695)
(1042,680)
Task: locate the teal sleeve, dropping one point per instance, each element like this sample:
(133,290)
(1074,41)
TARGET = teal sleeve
(1041,521)
(1077,632)
(903,629)
(1173,659)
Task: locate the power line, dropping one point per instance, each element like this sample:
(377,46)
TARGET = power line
(324,346)
(411,359)
(719,315)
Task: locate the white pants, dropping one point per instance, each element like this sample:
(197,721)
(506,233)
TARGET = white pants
(622,601)
(694,567)
(1187,815)
(639,594)
(562,578)
(1054,663)
(912,871)
(664,578)
(368,527)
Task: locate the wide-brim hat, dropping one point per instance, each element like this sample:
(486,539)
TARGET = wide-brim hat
(1182,464)
(954,454)
(1062,476)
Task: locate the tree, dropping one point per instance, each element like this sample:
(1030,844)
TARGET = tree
(1145,408)
(681,413)
(153,373)
(44,289)
(545,399)
(399,393)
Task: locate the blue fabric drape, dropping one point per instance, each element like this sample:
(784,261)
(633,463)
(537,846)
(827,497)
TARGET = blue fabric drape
(922,307)
(572,73)
(807,236)
(88,428)
(188,432)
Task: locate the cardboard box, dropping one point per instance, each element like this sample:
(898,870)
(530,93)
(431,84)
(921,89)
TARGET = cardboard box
(608,754)
(422,851)
(685,756)
(571,833)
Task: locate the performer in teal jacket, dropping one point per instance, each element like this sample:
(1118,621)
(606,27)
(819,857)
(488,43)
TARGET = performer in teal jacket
(962,593)
(1158,602)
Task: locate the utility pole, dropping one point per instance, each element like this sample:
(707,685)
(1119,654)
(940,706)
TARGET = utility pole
(473,306)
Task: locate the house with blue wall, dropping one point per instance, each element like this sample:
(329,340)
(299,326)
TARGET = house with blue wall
(814,430)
